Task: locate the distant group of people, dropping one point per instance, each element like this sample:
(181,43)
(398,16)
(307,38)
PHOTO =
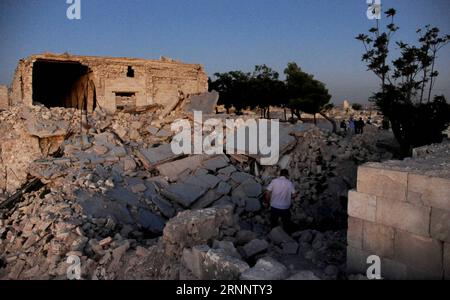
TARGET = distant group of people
(354,126)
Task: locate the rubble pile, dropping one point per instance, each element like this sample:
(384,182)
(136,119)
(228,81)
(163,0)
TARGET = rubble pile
(324,165)
(119,199)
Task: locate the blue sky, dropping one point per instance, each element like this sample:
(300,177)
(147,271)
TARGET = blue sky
(222,35)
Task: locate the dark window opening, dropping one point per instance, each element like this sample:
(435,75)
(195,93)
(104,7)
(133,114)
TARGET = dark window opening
(63,84)
(125,101)
(130,72)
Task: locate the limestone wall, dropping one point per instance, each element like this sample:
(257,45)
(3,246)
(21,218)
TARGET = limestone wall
(154,81)
(4,101)
(401,212)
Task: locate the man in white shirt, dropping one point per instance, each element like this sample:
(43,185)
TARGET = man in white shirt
(279,194)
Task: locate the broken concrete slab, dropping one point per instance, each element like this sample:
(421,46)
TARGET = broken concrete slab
(172,170)
(46,129)
(224,202)
(279,236)
(228,170)
(249,188)
(255,247)
(196,227)
(164,206)
(221,266)
(206,200)
(205,102)
(207,181)
(163,133)
(266,268)
(223,188)
(152,129)
(240,177)
(151,222)
(159,155)
(216,163)
(183,193)
(227,247)
(245,236)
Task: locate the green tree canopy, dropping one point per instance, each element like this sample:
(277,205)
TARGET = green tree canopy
(407,82)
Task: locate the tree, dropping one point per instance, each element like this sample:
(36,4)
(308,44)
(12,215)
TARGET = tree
(407,82)
(267,89)
(234,89)
(306,94)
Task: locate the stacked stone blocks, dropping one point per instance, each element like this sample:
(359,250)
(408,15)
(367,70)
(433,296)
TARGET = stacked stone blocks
(403,217)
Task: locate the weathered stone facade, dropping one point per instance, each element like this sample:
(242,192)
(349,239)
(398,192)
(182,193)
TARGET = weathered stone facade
(401,213)
(104,81)
(4,101)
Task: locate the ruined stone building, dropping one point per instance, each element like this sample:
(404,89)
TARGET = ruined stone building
(110,83)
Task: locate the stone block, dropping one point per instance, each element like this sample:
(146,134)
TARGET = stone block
(206,181)
(205,102)
(218,265)
(228,247)
(440,224)
(193,259)
(223,188)
(383,183)
(183,193)
(172,170)
(279,236)
(355,232)
(190,228)
(422,255)
(249,188)
(393,270)
(216,163)
(405,216)
(160,154)
(206,200)
(304,275)
(362,206)
(266,268)
(254,247)
(378,239)
(429,191)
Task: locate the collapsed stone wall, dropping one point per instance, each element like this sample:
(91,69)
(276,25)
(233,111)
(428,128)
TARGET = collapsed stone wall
(324,165)
(153,81)
(28,134)
(400,212)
